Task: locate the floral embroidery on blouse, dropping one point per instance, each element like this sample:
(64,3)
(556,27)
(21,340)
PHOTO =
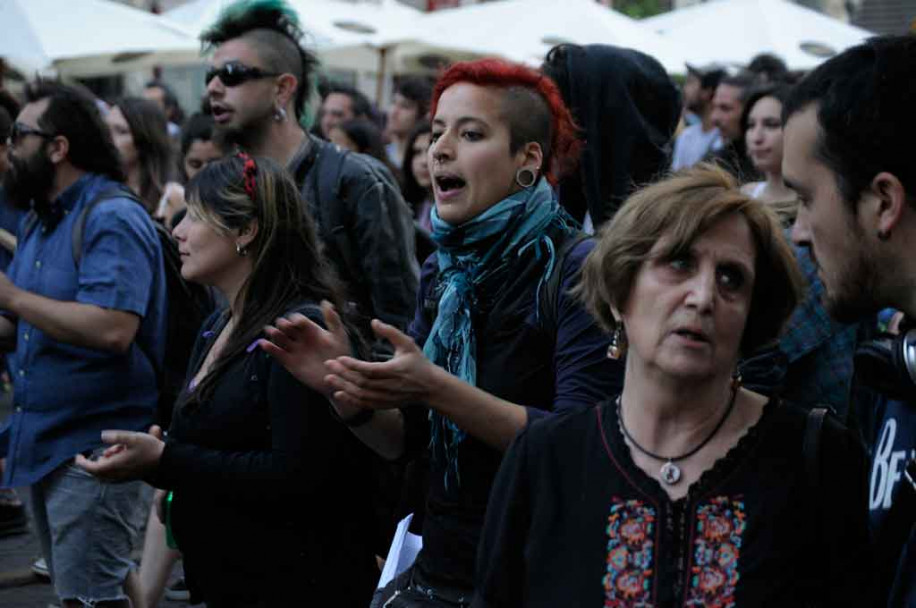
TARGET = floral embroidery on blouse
(631,539)
(720,524)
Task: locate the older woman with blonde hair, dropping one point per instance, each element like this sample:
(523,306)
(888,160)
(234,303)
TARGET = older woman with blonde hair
(685,489)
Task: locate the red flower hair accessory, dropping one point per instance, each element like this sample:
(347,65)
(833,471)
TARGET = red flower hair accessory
(249,172)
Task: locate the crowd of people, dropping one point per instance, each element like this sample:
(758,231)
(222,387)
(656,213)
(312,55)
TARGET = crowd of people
(610,340)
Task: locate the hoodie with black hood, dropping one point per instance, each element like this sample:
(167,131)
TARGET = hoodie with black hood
(628,109)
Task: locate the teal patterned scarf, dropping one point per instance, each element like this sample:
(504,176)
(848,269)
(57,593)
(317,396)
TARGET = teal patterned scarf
(468,256)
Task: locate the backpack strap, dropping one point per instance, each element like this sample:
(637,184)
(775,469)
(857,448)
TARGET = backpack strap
(550,297)
(79,226)
(811,447)
(76,238)
(811,451)
(325,178)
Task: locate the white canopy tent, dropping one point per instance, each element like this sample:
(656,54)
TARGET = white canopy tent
(346,34)
(524,30)
(734,31)
(87,37)
(379,36)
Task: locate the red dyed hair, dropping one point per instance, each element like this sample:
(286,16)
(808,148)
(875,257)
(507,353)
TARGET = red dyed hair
(565,146)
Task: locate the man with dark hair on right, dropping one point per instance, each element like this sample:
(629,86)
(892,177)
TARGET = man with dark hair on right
(257,83)
(848,128)
(340,103)
(409,106)
(697,140)
(727,106)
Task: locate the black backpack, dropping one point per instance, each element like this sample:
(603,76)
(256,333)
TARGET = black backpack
(189,304)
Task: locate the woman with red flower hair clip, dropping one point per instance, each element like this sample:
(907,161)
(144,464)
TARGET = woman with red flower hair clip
(250,471)
(496,340)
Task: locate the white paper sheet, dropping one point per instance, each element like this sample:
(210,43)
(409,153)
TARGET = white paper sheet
(403,552)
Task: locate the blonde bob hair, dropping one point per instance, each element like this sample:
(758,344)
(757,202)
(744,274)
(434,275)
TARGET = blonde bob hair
(679,209)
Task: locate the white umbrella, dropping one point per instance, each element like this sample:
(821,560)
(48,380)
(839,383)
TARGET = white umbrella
(733,31)
(346,35)
(83,37)
(524,30)
(380,34)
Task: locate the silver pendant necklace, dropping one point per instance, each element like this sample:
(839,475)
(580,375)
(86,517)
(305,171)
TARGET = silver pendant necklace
(669,472)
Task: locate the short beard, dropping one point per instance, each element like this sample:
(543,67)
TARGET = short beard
(250,136)
(28,182)
(857,292)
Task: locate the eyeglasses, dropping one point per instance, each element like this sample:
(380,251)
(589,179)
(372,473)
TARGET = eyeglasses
(19,130)
(234,73)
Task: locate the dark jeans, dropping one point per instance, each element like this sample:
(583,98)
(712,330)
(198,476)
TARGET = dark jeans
(410,590)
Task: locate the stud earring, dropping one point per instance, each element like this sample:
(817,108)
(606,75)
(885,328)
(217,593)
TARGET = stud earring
(241,251)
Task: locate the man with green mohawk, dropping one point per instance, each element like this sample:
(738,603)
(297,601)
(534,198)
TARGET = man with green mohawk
(258,83)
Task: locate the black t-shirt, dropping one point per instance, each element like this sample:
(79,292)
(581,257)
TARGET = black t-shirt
(270,492)
(573,522)
(517,360)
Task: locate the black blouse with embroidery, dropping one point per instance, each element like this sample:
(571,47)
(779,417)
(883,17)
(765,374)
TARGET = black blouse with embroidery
(573,522)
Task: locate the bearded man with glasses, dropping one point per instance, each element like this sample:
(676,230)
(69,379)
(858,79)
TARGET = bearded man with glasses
(86,326)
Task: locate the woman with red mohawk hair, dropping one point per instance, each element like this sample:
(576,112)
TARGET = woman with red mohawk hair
(497,339)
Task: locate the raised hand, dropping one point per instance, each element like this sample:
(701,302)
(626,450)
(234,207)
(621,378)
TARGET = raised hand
(302,346)
(130,455)
(407,377)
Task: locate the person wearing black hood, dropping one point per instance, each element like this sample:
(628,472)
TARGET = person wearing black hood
(628,109)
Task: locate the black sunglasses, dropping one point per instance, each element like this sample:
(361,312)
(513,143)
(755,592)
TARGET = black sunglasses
(19,130)
(234,73)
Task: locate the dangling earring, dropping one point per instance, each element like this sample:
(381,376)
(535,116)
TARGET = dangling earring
(525,177)
(241,251)
(618,347)
(279,114)
(736,380)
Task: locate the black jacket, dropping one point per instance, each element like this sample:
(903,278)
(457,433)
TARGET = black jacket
(262,468)
(366,229)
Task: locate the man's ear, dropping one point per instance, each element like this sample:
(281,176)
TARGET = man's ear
(58,149)
(889,201)
(286,89)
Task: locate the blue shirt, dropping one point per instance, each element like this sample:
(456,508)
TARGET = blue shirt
(65,395)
